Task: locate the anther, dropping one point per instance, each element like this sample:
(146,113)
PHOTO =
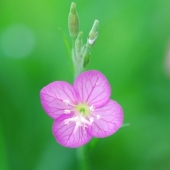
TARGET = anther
(91,108)
(91,119)
(66,122)
(98,116)
(67,111)
(66,102)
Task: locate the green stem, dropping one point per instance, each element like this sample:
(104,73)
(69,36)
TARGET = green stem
(83,163)
(82,159)
(76,65)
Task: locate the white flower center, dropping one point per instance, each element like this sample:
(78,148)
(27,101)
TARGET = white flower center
(83,115)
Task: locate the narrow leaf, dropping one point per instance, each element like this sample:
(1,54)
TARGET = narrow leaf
(67,46)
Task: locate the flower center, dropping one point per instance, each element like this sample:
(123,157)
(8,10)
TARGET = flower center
(83,115)
(83,109)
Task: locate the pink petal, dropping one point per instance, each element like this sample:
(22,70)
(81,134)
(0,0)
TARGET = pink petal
(93,88)
(65,136)
(111,119)
(53,95)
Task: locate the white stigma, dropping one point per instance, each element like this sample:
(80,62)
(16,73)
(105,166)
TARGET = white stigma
(80,121)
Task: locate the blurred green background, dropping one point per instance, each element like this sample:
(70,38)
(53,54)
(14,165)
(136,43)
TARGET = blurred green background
(131,50)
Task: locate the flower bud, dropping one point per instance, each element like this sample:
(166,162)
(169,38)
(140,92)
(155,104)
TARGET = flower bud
(73,21)
(86,59)
(86,54)
(93,33)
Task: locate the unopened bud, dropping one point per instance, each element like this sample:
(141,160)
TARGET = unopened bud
(86,59)
(93,33)
(73,21)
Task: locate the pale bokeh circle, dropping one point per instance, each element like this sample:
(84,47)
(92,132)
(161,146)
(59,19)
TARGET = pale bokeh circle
(17,41)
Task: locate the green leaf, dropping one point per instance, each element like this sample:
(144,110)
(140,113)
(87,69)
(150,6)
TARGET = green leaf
(68,47)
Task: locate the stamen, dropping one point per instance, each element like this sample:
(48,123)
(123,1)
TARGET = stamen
(76,127)
(91,108)
(98,116)
(67,111)
(79,121)
(91,119)
(73,119)
(85,121)
(66,102)
(66,122)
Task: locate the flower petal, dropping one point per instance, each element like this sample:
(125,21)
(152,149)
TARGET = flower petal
(107,120)
(53,97)
(93,88)
(65,135)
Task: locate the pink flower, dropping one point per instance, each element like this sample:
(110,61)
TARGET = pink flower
(81,111)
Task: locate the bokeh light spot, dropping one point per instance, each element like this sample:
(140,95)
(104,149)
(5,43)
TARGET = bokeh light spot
(17,41)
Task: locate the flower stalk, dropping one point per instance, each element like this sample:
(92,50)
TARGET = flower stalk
(81,54)
(83,163)
(81,57)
